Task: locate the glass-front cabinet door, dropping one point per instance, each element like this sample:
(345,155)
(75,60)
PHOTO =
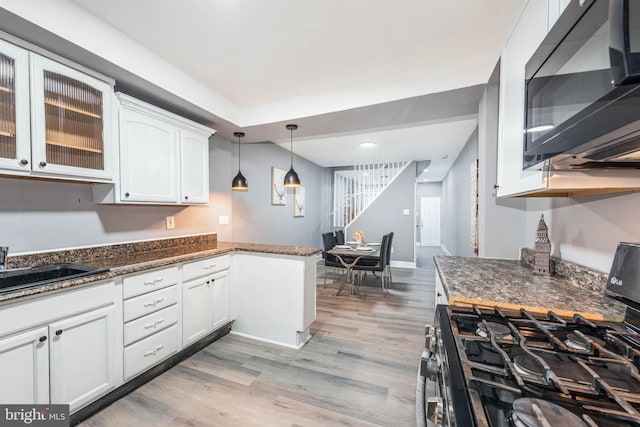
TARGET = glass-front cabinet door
(72,128)
(15,149)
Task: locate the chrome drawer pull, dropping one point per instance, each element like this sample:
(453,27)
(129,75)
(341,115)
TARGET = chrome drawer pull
(154,351)
(154,324)
(154,303)
(209,267)
(153,282)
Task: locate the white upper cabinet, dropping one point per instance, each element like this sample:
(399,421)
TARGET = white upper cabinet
(532,26)
(521,44)
(71,122)
(194,167)
(55,121)
(148,158)
(164,158)
(15,138)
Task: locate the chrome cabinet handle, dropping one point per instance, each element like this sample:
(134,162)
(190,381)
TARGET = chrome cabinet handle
(153,282)
(154,302)
(209,267)
(154,351)
(154,324)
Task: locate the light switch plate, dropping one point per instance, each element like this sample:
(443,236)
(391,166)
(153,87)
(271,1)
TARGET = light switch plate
(223,219)
(171,222)
(405,212)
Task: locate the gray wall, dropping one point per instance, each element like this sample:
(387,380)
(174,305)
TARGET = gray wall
(456,201)
(38,215)
(500,221)
(426,189)
(586,230)
(385,214)
(254,218)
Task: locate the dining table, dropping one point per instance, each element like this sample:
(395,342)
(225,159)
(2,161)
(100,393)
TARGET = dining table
(349,256)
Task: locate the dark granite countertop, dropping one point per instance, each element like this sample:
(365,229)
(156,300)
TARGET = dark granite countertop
(510,284)
(133,258)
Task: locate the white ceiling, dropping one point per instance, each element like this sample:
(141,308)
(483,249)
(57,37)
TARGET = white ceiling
(321,62)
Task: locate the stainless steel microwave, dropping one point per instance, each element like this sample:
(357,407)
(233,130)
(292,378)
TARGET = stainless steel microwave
(582,90)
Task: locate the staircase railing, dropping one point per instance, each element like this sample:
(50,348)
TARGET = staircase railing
(355,189)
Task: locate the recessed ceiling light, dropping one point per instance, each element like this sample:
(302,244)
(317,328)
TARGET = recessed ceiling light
(425,170)
(367,144)
(446,156)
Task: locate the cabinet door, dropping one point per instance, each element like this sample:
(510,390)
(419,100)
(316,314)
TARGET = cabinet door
(523,41)
(196,310)
(15,137)
(220,298)
(71,114)
(24,368)
(194,168)
(148,158)
(83,355)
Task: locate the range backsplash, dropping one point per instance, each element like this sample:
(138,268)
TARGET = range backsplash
(579,275)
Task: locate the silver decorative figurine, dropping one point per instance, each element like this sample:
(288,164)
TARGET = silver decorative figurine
(542,261)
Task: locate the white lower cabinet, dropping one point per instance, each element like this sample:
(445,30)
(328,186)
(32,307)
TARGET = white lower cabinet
(440,294)
(82,357)
(63,348)
(151,316)
(144,354)
(24,367)
(205,298)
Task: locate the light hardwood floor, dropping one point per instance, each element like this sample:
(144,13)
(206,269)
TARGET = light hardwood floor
(358,369)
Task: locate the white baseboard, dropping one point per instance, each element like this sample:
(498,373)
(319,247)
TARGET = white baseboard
(444,249)
(253,337)
(403,264)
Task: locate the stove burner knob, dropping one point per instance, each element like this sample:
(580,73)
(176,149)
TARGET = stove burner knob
(430,368)
(430,338)
(435,410)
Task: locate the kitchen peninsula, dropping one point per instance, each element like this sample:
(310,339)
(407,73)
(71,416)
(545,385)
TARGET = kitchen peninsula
(160,301)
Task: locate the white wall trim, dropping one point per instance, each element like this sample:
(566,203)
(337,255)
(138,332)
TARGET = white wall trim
(444,249)
(404,265)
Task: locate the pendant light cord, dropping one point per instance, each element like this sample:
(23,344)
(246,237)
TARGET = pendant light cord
(291,147)
(238,153)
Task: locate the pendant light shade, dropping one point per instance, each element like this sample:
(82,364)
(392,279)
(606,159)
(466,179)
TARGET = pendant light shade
(239,183)
(291,179)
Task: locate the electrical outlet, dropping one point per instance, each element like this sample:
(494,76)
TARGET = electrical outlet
(171,222)
(393,249)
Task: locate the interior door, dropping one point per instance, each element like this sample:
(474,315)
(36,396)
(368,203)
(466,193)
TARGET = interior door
(430,221)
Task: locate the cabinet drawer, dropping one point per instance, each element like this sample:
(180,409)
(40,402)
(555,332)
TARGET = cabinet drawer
(204,267)
(149,281)
(149,303)
(144,354)
(150,324)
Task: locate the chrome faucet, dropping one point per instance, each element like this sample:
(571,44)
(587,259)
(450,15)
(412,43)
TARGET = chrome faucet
(4,251)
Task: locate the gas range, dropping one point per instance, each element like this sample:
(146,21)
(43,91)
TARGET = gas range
(493,367)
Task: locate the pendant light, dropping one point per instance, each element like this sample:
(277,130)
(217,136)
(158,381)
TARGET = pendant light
(291,179)
(239,182)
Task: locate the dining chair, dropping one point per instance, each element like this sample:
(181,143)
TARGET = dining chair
(389,260)
(329,241)
(340,237)
(380,266)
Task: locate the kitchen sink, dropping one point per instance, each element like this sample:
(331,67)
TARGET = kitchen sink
(11,280)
